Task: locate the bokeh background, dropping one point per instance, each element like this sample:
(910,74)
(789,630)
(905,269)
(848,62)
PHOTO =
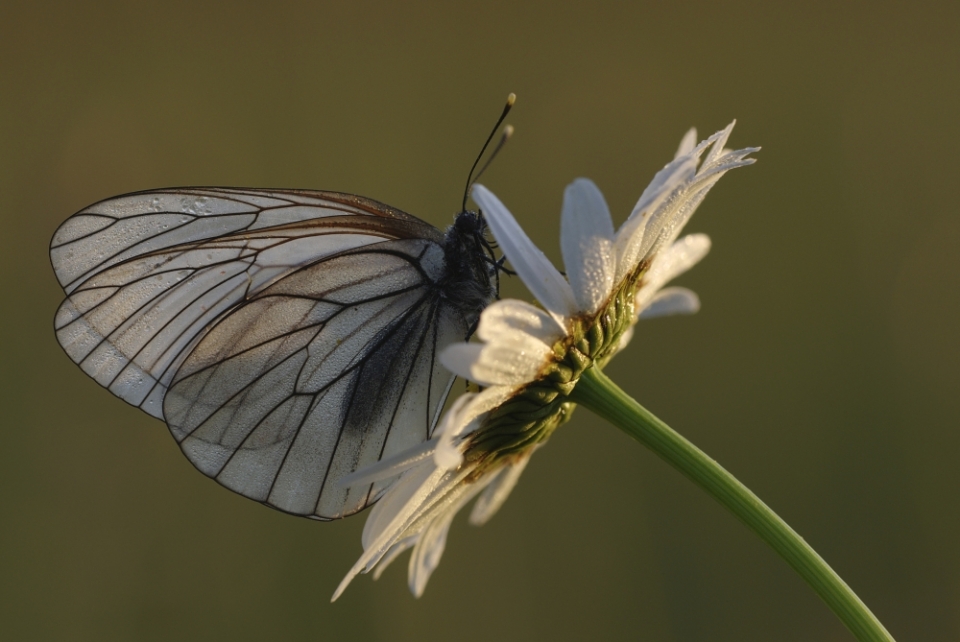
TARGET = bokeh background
(822,369)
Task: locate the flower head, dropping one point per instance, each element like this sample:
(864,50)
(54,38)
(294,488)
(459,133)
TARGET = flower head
(530,358)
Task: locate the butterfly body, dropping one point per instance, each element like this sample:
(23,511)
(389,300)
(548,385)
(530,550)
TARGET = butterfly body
(286,337)
(467,284)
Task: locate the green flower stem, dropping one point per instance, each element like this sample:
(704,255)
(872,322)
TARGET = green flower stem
(598,393)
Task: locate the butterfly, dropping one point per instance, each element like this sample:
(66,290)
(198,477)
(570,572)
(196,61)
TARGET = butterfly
(286,337)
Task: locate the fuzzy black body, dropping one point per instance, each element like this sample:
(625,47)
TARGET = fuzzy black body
(471,266)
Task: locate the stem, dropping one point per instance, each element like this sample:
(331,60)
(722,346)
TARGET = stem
(598,393)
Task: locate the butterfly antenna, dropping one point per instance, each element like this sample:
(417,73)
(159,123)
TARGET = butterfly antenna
(512,98)
(507,133)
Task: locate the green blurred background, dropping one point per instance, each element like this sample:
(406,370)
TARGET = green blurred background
(822,369)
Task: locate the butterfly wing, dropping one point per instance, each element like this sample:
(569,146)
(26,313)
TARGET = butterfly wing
(353,377)
(286,337)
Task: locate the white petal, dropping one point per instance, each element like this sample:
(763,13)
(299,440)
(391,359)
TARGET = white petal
(671,263)
(390,516)
(634,233)
(393,553)
(666,223)
(728,160)
(450,422)
(513,359)
(671,301)
(706,142)
(518,338)
(510,315)
(429,499)
(586,240)
(497,492)
(675,203)
(463,418)
(447,455)
(389,467)
(539,275)
(426,554)
(397,498)
(687,143)
(421,496)
(432,541)
(674,173)
(679,257)
(720,140)
(589,209)
(459,358)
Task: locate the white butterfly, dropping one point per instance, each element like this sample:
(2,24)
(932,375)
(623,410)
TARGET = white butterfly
(286,337)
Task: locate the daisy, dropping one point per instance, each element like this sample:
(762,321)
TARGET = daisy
(530,358)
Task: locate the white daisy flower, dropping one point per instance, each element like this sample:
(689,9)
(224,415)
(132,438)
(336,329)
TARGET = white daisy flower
(530,358)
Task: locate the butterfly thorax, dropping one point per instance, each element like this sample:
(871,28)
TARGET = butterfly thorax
(470,266)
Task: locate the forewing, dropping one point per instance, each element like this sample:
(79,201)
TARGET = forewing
(146,274)
(328,369)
